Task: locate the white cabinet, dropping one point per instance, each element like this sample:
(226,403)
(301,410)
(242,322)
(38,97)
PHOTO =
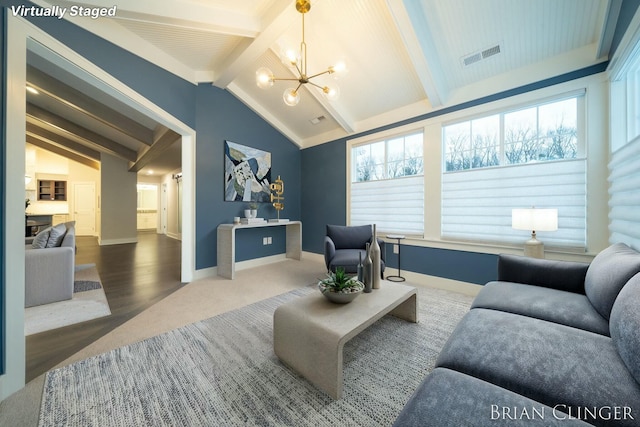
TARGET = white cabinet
(147,219)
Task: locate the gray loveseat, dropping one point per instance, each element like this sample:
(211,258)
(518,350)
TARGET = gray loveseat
(49,271)
(549,343)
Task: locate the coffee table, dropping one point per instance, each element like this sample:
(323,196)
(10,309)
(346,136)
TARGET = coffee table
(309,333)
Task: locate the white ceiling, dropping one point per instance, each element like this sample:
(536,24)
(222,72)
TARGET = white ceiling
(405,58)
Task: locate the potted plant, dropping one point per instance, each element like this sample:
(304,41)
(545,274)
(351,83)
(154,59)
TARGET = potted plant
(339,287)
(251,211)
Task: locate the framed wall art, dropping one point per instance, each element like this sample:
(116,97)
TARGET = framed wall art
(247,173)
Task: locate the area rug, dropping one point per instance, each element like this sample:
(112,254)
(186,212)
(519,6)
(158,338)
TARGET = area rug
(223,372)
(88,302)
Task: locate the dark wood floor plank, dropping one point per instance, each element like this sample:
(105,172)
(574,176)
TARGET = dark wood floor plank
(134,276)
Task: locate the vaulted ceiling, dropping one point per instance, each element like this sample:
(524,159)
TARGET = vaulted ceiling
(405,58)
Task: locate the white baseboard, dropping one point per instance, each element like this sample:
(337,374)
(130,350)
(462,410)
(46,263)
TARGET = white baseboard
(424,280)
(107,242)
(205,273)
(257,262)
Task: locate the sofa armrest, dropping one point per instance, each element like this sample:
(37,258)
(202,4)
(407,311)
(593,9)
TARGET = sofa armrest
(49,275)
(329,250)
(562,275)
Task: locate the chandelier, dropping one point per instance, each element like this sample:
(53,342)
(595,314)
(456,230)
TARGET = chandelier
(298,60)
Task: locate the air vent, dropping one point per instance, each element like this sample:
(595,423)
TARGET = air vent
(491,51)
(479,56)
(317,120)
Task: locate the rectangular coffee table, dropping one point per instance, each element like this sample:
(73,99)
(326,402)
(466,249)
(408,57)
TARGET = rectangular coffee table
(309,333)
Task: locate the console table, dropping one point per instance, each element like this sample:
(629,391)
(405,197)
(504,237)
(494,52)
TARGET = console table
(227,243)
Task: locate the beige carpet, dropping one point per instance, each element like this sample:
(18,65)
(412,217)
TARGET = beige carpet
(85,305)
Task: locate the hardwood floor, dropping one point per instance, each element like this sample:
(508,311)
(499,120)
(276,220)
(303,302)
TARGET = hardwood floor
(134,276)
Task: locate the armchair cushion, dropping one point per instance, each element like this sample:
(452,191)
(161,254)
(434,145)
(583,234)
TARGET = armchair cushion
(609,271)
(349,237)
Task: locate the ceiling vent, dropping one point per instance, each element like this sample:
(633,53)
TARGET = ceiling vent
(479,56)
(317,120)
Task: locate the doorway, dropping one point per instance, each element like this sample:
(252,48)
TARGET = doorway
(84,208)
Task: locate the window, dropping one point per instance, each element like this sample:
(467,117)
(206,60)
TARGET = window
(387,184)
(515,159)
(624,165)
(538,133)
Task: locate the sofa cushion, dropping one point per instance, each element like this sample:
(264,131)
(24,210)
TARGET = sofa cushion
(562,275)
(608,273)
(56,236)
(40,241)
(350,237)
(566,308)
(547,362)
(625,325)
(347,259)
(450,398)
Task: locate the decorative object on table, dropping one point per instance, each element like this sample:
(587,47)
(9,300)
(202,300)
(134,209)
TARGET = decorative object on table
(247,173)
(339,287)
(298,60)
(236,220)
(375,260)
(278,188)
(367,266)
(359,273)
(397,278)
(251,211)
(534,219)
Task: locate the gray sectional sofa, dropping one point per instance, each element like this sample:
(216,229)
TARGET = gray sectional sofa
(50,265)
(548,343)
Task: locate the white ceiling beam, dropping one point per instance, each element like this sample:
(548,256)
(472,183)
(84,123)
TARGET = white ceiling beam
(36,133)
(62,151)
(417,39)
(282,16)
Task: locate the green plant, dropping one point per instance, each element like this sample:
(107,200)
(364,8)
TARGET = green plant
(340,282)
(27,202)
(253,205)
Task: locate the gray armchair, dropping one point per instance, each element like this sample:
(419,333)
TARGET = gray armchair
(344,244)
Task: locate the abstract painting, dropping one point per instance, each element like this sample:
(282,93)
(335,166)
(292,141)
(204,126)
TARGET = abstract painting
(247,173)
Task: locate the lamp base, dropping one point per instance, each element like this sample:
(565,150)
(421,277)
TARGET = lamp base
(533,247)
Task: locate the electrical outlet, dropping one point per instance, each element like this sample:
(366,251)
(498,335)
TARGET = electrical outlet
(269,240)
(265,241)
(396,249)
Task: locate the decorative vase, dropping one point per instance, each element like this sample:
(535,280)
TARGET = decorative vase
(366,270)
(254,213)
(247,213)
(359,268)
(375,260)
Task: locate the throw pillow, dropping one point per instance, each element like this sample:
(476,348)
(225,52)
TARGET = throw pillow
(609,271)
(56,236)
(40,241)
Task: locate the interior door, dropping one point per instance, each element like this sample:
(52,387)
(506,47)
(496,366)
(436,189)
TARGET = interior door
(84,201)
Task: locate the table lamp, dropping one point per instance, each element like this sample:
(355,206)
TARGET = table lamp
(534,219)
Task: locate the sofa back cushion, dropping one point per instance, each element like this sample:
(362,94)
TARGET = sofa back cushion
(350,237)
(609,271)
(624,325)
(70,236)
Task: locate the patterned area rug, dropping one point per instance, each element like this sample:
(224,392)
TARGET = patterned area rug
(88,302)
(222,372)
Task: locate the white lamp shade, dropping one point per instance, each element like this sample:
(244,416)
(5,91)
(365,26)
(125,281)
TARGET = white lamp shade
(533,219)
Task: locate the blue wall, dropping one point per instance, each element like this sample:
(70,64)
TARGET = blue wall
(219,117)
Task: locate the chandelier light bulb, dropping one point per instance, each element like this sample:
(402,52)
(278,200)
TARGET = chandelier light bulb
(331,92)
(264,78)
(338,70)
(291,57)
(291,97)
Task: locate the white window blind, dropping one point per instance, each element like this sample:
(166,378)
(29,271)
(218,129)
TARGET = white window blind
(624,195)
(395,205)
(477,203)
